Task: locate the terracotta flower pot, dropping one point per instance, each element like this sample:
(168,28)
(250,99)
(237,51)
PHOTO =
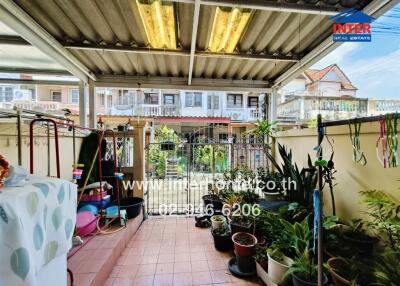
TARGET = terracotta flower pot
(244,243)
(335,265)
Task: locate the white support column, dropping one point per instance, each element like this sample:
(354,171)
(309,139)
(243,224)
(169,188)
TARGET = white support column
(273,105)
(92,105)
(83,94)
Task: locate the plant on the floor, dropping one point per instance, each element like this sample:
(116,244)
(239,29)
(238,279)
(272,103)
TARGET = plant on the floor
(278,262)
(217,221)
(387,270)
(244,244)
(299,235)
(261,256)
(268,226)
(304,271)
(384,212)
(302,183)
(351,271)
(358,238)
(222,238)
(269,180)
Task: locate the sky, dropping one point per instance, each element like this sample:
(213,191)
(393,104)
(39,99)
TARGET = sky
(374,68)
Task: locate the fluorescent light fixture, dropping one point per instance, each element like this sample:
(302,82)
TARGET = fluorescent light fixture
(159,23)
(227,29)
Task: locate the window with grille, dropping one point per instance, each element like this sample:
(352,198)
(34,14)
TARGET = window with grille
(235,100)
(169,99)
(151,98)
(213,101)
(253,101)
(193,99)
(56,95)
(74,96)
(126,97)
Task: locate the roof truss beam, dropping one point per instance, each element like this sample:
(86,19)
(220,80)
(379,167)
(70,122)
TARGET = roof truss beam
(270,6)
(16,40)
(181,83)
(18,20)
(196,14)
(33,71)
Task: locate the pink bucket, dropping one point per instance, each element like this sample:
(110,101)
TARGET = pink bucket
(86,223)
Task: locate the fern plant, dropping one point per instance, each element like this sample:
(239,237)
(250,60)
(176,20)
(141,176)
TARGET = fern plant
(385,216)
(387,269)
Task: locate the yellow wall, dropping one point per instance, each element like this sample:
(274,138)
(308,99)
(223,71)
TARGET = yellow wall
(8,148)
(351,177)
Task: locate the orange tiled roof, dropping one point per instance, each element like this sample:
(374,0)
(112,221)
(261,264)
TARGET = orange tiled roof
(317,75)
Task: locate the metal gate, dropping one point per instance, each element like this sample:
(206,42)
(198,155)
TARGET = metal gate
(178,174)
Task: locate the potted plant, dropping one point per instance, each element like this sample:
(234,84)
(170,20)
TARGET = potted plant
(278,264)
(222,238)
(304,272)
(358,239)
(217,221)
(261,258)
(244,244)
(271,184)
(339,269)
(212,198)
(241,224)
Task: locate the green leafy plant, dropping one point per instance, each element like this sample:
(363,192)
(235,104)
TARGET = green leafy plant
(299,235)
(304,267)
(302,183)
(261,255)
(387,270)
(224,230)
(385,214)
(269,179)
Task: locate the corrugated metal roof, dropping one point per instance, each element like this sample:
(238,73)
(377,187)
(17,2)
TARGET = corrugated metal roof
(121,24)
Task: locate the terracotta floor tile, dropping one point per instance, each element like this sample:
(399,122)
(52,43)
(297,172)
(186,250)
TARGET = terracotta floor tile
(181,267)
(128,271)
(125,281)
(143,280)
(163,280)
(200,278)
(109,282)
(220,276)
(165,268)
(182,279)
(149,259)
(182,256)
(198,266)
(165,258)
(83,279)
(146,269)
(196,256)
(217,264)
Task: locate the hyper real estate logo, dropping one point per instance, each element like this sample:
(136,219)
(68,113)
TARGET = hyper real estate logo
(352,26)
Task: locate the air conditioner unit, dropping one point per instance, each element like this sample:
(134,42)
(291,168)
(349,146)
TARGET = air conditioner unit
(236,116)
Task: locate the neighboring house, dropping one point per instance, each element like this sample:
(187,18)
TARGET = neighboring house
(328,91)
(383,106)
(185,111)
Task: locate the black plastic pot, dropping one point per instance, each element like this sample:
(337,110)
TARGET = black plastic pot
(216,202)
(133,206)
(246,264)
(222,242)
(235,227)
(297,281)
(363,243)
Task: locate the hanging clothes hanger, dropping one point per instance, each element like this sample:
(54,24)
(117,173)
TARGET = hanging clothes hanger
(381,143)
(323,162)
(358,155)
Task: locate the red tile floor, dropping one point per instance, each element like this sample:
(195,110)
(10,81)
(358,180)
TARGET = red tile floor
(172,252)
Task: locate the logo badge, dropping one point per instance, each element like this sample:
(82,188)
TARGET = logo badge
(352,26)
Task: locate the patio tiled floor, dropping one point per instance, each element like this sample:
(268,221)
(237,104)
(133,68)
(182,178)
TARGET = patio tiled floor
(172,252)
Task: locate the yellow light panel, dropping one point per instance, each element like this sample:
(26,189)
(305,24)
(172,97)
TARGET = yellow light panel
(159,23)
(228,27)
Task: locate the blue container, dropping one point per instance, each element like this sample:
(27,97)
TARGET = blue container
(89,207)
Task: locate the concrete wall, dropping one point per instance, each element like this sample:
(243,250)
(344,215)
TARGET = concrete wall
(351,177)
(8,148)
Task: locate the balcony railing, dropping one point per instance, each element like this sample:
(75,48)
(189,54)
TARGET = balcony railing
(28,105)
(154,110)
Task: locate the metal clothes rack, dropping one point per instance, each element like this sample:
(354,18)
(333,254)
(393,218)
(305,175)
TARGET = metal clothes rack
(320,129)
